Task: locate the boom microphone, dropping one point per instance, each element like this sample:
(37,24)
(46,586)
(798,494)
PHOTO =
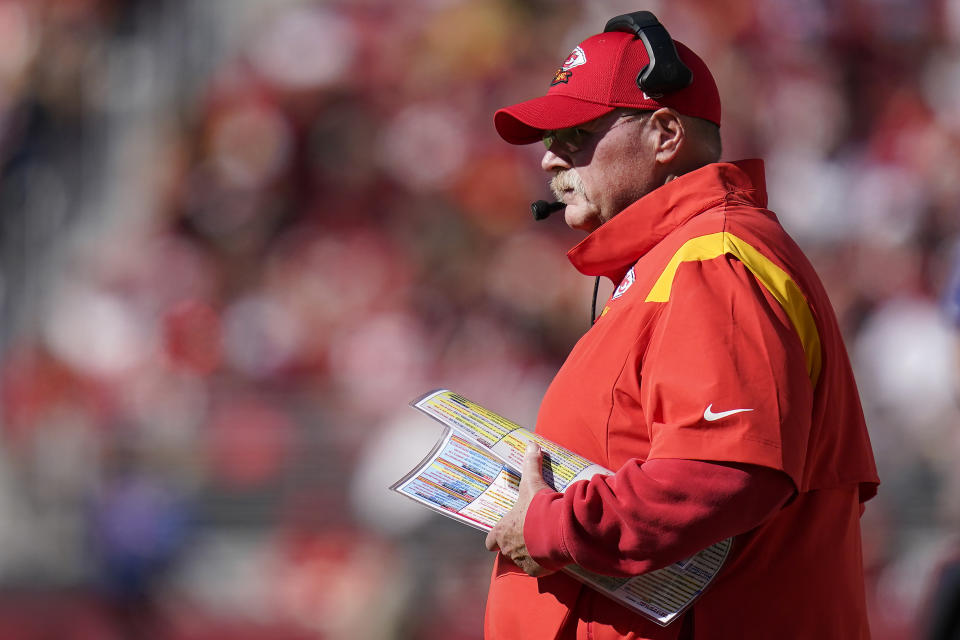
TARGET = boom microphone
(542,209)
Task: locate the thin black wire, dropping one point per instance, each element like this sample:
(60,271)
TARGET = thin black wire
(593,306)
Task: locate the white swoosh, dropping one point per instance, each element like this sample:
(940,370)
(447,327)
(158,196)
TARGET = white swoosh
(708,413)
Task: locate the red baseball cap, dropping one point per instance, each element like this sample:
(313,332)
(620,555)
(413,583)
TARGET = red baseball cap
(599,76)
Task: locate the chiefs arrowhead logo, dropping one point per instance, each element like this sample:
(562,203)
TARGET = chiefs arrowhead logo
(576,58)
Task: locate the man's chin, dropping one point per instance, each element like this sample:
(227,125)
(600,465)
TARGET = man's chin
(582,217)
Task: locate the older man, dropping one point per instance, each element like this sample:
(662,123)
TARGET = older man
(714,381)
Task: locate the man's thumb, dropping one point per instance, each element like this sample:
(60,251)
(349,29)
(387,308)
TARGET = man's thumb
(533,462)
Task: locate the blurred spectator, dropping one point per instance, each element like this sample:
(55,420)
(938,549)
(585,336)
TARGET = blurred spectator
(138,525)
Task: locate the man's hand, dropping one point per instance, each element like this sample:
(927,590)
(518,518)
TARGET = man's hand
(507,535)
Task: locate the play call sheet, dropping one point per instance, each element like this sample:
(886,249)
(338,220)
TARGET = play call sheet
(472,475)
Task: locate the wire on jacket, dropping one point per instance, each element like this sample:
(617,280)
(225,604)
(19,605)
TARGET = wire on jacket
(593,306)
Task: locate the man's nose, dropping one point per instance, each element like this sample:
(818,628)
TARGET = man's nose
(553,162)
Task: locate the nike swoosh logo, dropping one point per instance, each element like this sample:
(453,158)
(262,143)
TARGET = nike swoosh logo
(709,415)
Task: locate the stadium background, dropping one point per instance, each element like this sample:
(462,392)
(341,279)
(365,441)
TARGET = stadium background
(238,236)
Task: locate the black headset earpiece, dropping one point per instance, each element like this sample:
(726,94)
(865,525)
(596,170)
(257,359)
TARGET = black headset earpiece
(666,71)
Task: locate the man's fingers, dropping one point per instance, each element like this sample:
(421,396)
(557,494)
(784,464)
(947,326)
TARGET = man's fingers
(510,527)
(491,541)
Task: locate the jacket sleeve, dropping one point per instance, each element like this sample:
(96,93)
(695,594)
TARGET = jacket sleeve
(648,516)
(724,377)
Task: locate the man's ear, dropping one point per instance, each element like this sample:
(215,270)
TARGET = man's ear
(670,134)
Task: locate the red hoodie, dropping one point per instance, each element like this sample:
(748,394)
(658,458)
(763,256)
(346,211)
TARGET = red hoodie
(718,345)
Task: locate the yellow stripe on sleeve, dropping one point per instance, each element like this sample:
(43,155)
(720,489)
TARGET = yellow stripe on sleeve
(775,279)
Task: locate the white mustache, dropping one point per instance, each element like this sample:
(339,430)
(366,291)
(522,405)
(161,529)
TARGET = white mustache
(568,180)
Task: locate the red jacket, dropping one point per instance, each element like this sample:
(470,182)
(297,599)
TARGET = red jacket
(718,345)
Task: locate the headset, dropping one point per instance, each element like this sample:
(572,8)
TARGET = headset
(665,73)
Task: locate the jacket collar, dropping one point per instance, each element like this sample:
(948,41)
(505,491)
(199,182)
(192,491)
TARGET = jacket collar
(614,247)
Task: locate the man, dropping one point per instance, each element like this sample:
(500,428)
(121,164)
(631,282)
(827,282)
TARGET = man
(714,381)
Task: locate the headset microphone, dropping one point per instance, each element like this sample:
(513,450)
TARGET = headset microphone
(542,209)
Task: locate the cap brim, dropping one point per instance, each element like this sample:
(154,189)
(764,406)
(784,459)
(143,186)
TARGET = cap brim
(525,122)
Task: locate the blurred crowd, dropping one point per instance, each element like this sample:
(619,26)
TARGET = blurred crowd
(238,237)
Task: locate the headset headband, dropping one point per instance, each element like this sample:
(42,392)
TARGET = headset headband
(665,72)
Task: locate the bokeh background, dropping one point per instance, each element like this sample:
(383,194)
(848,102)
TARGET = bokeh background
(237,237)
